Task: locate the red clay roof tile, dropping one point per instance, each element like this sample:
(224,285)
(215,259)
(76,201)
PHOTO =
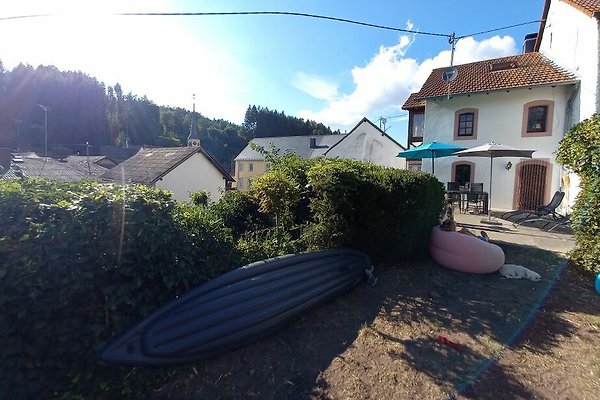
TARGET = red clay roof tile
(586,6)
(523,70)
(412,102)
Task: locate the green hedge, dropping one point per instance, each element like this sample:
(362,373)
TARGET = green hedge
(79,263)
(579,151)
(386,212)
(240,212)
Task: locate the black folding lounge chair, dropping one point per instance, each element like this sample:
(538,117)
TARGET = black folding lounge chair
(554,223)
(540,211)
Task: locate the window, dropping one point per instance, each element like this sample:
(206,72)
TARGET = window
(413,165)
(537,118)
(418,124)
(249,183)
(240,184)
(465,124)
(250,167)
(240,166)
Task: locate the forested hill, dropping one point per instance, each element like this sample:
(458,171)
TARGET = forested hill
(81,110)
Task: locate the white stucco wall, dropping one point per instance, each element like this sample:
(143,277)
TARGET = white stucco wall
(366,143)
(194,174)
(500,118)
(571,39)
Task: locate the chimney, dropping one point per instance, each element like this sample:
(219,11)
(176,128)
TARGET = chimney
(529,42)
(313,143)
(5,157)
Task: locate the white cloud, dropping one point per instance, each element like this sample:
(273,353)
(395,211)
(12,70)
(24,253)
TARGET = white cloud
(316,86)
(389,77)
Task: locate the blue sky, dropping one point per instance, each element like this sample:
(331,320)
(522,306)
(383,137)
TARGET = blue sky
(332,72)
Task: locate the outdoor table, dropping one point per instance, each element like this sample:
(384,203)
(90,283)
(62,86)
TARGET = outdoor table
(463,198)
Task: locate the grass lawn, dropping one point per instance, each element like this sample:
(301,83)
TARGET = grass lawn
(519,339)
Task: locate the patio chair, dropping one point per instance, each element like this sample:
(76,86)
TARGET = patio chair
(453,194)
(540,211)
(452,186)
(475,198)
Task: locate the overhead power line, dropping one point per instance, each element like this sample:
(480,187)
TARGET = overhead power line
(500,29)
(295,14)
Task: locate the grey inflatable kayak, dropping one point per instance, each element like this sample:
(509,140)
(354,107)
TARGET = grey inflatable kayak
(238,308)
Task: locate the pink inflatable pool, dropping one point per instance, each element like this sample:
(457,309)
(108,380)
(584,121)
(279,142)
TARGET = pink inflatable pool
(464,253)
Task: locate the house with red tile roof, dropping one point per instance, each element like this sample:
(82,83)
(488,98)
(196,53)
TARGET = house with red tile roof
(524,101)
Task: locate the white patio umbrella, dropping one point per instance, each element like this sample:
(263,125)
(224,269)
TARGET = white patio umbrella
(493,150)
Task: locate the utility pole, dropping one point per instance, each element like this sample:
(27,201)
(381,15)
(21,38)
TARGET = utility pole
(45,108)
(452,40)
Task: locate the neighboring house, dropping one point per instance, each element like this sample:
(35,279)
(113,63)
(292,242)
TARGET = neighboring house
(522,101)
(416,124)
(90,165)
(118,154)
(180,170)
(250,163)
(570,35)
(71,169)
(365,142)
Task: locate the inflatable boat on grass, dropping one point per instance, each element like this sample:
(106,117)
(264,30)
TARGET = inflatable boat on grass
(238,308)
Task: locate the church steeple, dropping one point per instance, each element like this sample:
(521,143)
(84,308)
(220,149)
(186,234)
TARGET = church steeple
(194,137)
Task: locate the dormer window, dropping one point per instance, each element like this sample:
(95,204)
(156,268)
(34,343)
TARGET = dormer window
(501,66)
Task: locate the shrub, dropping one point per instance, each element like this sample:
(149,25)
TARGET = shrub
(240,212)
(81,262)
(295,169)
(579,150)
(385,212)
(277,195)
(200,198)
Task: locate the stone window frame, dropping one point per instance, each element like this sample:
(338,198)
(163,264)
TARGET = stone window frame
(463,162)
(549,118)
(457,115)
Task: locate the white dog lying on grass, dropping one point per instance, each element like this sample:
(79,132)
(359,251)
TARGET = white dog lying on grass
(513,271)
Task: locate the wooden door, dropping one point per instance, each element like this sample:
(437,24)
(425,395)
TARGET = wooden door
(532,186)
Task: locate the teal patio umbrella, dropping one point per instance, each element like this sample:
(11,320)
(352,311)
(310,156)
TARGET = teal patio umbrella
(431,150)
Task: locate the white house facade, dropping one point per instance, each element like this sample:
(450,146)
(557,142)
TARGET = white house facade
(501,117)
(570,35)
(522,101)
(366,142)
(194,174)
